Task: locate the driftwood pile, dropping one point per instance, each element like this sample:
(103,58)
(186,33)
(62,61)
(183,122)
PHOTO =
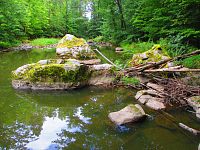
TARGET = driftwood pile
(157,66)
(176,92)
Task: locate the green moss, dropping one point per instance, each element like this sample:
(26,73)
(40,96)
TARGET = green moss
(130,80)
(134,108)
(55,73)
(155,54)
(75,42)
(84,55)
(191,62)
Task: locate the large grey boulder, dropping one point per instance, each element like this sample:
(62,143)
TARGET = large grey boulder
(59,74)
(131,113)
(72,47)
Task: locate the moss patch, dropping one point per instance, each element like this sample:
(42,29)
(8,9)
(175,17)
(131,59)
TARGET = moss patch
(55,73)
(74,42)
(129,80)
(155,54)
(134,108)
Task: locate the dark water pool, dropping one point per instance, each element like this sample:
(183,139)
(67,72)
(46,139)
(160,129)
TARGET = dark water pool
(78,119)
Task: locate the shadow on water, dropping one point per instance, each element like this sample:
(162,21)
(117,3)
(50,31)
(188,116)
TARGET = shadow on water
(78,119)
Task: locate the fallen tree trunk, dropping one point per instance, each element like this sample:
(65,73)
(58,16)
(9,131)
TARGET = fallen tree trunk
(191,130)
(155,64)
(171,70)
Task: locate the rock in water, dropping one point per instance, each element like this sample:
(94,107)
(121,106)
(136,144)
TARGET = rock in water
(131,113)
(155,104)
(68,75)
(194,102)
(72,47)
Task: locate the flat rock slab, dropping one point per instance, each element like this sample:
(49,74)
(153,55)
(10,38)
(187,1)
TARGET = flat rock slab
(156,86)
(154,104)
(131,113)
(149,92)
(194,102)
(144,99)
(151,99)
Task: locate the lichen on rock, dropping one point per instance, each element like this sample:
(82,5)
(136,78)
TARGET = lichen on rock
(155,54)
(73,47)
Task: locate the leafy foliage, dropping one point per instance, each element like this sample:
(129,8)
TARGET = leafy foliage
(130,80)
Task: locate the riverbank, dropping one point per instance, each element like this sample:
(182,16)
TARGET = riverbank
(38,43)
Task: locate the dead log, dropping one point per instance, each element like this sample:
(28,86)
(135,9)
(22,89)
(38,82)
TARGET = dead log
(191,130)
(155,64)
(171,70)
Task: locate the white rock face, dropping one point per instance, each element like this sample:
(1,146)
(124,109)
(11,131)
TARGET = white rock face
(131,113)
(101,67)
(43,62)
(22,69)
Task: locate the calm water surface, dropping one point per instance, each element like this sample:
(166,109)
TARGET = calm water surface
(40,120)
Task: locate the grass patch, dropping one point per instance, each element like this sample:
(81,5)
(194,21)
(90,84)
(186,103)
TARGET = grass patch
(44,41)
(130,80)
(134,48)
(191,62)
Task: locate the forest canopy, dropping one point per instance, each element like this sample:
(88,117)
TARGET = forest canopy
(178,22)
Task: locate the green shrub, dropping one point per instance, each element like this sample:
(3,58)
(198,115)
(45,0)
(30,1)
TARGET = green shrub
(130,80)
(191,62)
(98,39)
(134,48)
(44,41)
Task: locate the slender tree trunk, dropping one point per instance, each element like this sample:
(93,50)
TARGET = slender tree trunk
(119,5)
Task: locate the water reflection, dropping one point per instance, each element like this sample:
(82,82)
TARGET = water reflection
(53,127)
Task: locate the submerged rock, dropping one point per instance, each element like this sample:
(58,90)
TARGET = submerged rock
(73,47)
(131,113)
(155,54)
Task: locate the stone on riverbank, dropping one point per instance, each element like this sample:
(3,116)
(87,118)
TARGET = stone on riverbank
(73,47)
(151,99)
(131,113)
(101,75)
(155,54)
(194,102)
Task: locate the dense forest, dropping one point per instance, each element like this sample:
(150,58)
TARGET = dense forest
(173,21)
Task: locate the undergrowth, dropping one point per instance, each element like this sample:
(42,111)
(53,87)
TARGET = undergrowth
(44,41)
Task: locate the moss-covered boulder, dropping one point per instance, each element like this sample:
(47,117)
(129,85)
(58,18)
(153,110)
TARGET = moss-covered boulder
(59,74)
(73,47)
(155,54)
(52,75)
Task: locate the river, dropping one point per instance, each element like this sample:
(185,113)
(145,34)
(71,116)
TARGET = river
(78,119)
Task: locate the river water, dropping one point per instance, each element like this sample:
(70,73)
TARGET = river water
(77,119)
